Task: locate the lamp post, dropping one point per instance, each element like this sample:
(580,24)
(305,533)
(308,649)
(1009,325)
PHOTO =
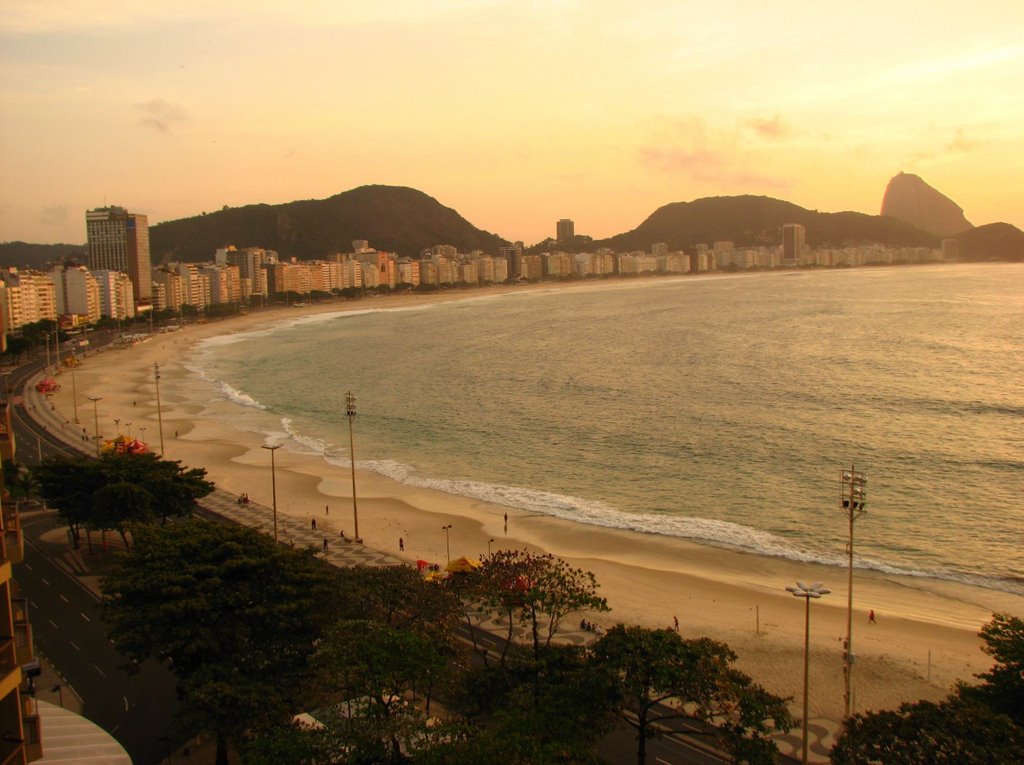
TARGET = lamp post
(447,541)
(852,501)
(128,427)
(273,483)
(74,388)
(489,547)
(159,412)
(96,422)
(350,412)
(117,425)
(142,434)
(801,590)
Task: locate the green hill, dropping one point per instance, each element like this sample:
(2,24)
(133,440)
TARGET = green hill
(391,218)
(995,241)
(750,221)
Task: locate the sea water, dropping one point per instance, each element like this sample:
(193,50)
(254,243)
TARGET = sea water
(721,409)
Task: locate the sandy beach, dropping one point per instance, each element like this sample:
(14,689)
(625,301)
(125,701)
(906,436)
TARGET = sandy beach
(924,640)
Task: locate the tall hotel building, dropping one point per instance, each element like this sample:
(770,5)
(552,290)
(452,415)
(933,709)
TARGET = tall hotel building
(119,241)
(793,235)
(565,230)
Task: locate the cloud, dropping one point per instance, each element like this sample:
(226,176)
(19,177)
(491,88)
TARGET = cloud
(961,144)
(161,115)
(769,128)
(693,150)
(54,215)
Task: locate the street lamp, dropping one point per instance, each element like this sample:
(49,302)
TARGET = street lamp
(447,541)
(142,434)
(128,426)
(852,500)
(159,412)
(117,425)
(489,547)
(74,387)
(96,422)
(350,412)
(273,483)
(801,590)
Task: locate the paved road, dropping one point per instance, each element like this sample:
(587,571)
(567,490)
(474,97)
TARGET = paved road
(68,629)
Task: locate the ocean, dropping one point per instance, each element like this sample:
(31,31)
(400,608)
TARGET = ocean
(721,409)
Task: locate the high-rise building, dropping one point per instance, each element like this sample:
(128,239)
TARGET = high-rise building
(793,235)
(119,241)
(565,230)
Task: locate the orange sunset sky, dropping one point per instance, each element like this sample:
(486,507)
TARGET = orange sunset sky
(515,113)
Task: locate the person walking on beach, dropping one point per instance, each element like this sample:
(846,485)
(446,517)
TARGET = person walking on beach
(871,617)
(506,523)
(401,544)
(325,544)
(675,620)
(312,523)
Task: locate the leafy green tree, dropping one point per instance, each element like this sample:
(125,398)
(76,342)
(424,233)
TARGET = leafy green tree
(371,675)
(537,590)
(554,709)
(648,668)
(69,484)
(1002,687)
(236,615)
(147,488)
(951,732)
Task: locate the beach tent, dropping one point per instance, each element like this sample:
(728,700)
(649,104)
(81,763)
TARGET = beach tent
(421,564)
(462,565)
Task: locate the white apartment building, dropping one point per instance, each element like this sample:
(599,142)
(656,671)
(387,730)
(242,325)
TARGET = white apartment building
(77,292)
(117,296)
(30,296)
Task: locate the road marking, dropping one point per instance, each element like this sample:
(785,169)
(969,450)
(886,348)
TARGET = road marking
(64,599)
(125,703)
(33,604)
(102,673)
(84,616)
(44,581)
(51,621)
(28,566)
(75,646)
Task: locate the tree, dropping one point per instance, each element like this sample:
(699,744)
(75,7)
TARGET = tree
(147,487)
(235,614)
(647,668)
(951,732)
(535,590)
(371,674)
(1002,688)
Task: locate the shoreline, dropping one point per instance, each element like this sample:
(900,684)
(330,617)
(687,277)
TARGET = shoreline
(927,627)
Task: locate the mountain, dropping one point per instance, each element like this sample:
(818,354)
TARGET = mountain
(996,241)
(753,220)
(908,198)
(25,255)
(392,218)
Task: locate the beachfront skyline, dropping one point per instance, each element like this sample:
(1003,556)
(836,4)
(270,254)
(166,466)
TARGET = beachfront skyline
(514,114)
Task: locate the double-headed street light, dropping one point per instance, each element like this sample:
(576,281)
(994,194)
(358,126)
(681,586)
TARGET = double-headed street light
(159,412)
(273,483)
(852,500)
(801,590)
(447,541)
(96,421)
(350,412)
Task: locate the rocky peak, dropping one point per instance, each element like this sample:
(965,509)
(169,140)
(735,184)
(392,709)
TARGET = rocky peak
(908,198)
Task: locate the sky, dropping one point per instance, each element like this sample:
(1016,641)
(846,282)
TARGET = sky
(515,113)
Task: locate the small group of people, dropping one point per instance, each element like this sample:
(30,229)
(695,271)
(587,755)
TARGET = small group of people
(243,499)
(591,627)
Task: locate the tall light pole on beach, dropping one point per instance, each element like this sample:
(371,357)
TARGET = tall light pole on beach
(801,590)
(273,484)
(96,421)
(74,388)
(159,412)
(852,500)
(447,541)
(350,412)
